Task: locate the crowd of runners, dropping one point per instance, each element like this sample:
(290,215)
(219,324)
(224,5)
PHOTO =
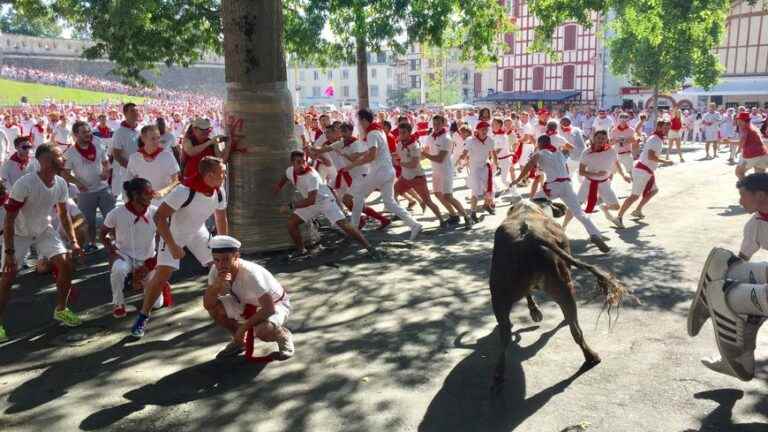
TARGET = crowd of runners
(156,174)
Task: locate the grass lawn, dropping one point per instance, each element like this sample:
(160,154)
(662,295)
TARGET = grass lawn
(12,91)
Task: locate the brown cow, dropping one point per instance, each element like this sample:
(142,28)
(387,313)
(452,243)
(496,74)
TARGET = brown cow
(531,250)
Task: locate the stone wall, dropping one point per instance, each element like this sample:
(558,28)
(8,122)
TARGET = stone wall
(64,56)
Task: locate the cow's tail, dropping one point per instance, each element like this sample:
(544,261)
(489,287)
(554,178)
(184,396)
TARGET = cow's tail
(609,287)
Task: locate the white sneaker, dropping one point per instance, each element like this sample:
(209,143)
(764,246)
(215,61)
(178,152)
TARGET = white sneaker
(715,268)
(415,231)
(285,348)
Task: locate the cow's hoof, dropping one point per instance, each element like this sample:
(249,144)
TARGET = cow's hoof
(536,314)
(498,385)
(591,361)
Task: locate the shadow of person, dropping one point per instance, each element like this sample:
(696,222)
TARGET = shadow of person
(207,380)
(59,377)
(721,419)
(731,210)
(466,401)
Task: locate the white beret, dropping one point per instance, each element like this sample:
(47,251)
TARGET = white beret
(223,242)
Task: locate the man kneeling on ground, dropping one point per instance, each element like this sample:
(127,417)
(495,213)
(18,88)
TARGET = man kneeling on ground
(241,295)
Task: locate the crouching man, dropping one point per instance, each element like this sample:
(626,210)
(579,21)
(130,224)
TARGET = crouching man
(243,295)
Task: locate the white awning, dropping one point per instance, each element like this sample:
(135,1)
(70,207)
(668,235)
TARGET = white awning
(747,86)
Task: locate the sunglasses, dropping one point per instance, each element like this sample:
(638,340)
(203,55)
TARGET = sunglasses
(25,147)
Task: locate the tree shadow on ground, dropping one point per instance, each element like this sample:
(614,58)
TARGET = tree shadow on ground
(466,402)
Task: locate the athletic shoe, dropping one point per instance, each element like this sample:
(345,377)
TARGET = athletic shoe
(3,334)
(374,254)
(475,219)
(285,348)
(119,311)
(637,214)
(299,255)
(489,209)
(618,223)
(231,350)
(415,231)
(140,326)
(598,241)
(735,334)
(467,222)
(453,220)
(89,249)
(613,219)
(67,317)
(715,268)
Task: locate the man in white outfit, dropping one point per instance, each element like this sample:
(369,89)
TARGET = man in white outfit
(381,174)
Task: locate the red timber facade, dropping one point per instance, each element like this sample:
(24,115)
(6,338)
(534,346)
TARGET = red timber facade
(577,68)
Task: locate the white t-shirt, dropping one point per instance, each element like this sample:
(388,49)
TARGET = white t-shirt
(35,215)
(407,155)
(167,141)
(553,163)
(383,161)
(11,171)
(126,140)
(61,134)
(653,143)
(623,138)
(435,145)
(252,282)
(73,210)
(478,150)
(501,143)
(134,235)
(38,136)
(755,236)
(159,171)
(605,124)
(88,172)
(12,132)
(308,182)
(714,119)
(186,221)
(600,161)
(356,147)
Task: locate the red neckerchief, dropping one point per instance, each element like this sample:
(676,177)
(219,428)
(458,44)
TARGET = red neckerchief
(39,128)
(348,141)
(150,156)
(126,125)
(601,149)
(88,153)
(661,136)
(481,140)
(565,129)
(373,127)
(549,147)
(197,184)
(22,163)
(551,132)
(105,131)
(438,133)
(304,169)
(762,216)
(317,132)
(422,126)
(500,132)
(4,198)
(411,139)
(140,215)
(622,128)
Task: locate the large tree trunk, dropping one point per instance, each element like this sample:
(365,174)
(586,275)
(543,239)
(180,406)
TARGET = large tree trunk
(259,117)
(362,72)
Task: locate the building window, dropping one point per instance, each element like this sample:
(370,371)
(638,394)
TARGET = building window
(465,93)
(315,91)
(508,82)
(509,39)
(330,75)
(317,75)
(415,83)
(381,57)
(414,64)
(569,72)
(374,91)
(538,78)
(569,40)
(465,77)
(301,75)
(389,72)
(478,84)
(345,91)
(515,8)
(373,73)
(345,74)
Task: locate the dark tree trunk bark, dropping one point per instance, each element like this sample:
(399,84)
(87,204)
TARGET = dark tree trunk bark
(259,117)
(362,72)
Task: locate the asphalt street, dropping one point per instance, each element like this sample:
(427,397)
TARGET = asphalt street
(406,344)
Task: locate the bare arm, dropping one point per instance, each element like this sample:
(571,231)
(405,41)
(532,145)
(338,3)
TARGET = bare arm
(191,150)
(265,310)
(164,191)
(67,175)
(222,223)
(306,202)
(119,156)
(66,223)
(163,227)
(367,157)
(528,168)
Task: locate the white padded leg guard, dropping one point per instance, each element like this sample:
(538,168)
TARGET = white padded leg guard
(748,272)
(748,299)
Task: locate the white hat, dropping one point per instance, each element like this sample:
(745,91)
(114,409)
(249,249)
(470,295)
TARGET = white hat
(223,243)
(201,123)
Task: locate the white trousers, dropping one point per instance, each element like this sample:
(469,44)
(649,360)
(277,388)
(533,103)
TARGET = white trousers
(384,181)
(121,269)
(564,191)
(506,176)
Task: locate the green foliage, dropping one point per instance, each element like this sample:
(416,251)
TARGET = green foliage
(658,43)
(43,25)
(441,89)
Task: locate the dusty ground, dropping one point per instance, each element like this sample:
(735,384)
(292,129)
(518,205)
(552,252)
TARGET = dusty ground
(407,344)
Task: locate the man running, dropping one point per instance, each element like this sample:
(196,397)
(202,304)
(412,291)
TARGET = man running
(711,124)
(643,175)
(480,148)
